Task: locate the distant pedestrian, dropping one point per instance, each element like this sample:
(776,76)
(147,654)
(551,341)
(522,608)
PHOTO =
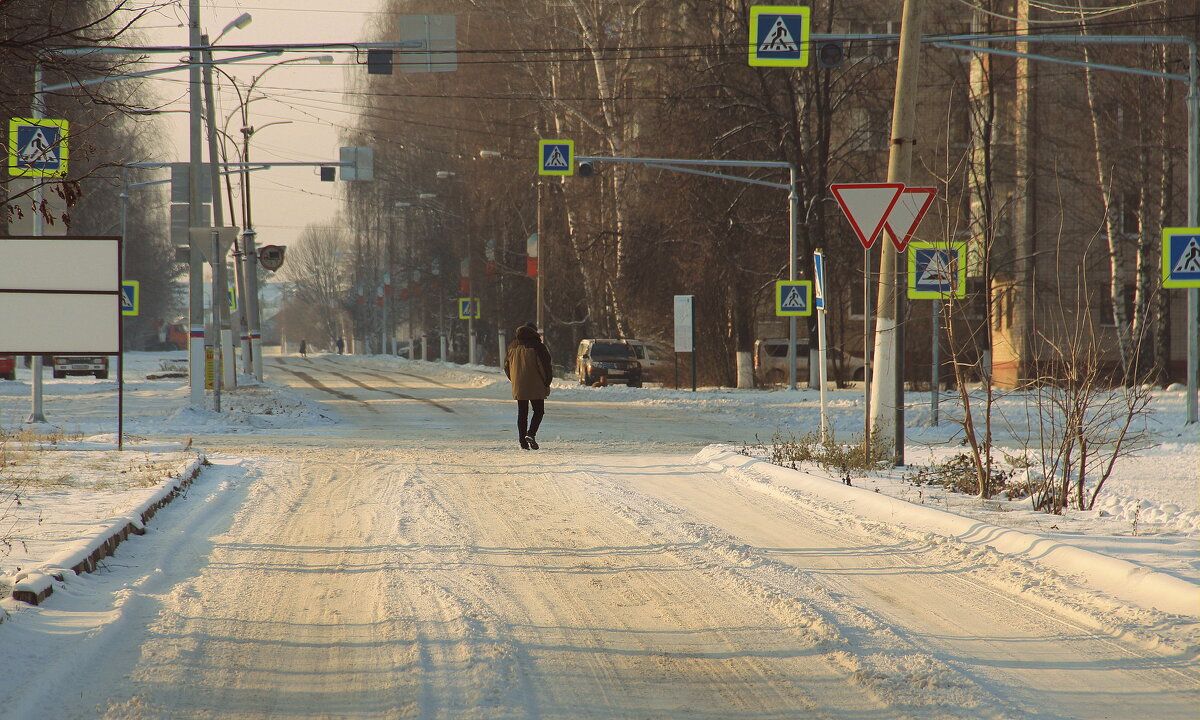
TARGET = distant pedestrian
(303,348)
(527,364)
(341,345)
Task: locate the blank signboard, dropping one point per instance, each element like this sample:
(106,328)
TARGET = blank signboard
(60,295)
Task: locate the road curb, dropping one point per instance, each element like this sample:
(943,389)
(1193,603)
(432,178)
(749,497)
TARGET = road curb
(34,586)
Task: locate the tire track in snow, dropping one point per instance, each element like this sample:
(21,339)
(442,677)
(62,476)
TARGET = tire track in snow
(323,388)
(627,632)
(848,637)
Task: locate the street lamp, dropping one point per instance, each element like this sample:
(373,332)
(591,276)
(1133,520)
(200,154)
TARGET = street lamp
(252,361)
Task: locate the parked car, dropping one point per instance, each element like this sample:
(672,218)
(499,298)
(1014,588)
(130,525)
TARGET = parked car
(608,361)
(65,365)
(655,361)
(8,367)
(770,362)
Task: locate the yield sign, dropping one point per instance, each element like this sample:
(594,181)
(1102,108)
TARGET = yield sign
(867,206)
(907,214)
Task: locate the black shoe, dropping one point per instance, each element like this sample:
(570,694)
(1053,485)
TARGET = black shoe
(531,442)
(524,443)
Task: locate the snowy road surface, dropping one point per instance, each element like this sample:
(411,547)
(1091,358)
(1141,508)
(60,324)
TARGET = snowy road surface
(412,562)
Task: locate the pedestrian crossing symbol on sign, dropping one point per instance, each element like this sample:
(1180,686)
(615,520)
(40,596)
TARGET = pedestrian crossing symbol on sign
(468,308)
(37,147)
(1181,257)
(779,36)
(130,300)
(557,157)
(793,298)
(935,271)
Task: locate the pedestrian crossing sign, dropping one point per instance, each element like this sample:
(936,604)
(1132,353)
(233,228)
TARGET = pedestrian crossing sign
(37,147)
(793,298)
(130,297)
(556,157)
(779,35)
(1181,257)
(468,308)
(936,271)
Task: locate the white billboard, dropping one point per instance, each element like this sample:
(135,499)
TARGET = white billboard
(60,295)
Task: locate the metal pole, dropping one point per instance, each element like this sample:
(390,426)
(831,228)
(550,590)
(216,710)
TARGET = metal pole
(793,215)
(936,370)
(822,353)
(867,347)
(383,333)
(223,342)
(217,291)
(541,262)
(1193,311)
(694,343)
(195,256)
(39,227)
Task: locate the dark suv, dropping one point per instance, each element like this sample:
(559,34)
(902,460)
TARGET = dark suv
(607,361)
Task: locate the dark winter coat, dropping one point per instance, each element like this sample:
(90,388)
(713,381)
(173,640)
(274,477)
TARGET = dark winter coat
(527,364)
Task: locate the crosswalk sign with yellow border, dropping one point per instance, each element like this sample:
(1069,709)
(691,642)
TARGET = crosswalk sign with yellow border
(779,35)
(37,147)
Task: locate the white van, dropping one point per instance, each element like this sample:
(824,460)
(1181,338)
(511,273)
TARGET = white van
(770,362)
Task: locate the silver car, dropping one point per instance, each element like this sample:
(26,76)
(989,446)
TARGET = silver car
(770,362)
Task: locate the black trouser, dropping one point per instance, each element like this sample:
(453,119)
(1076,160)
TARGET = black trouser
(539,409)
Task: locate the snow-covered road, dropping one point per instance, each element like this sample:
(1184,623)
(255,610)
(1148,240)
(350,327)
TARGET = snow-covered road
(411,561)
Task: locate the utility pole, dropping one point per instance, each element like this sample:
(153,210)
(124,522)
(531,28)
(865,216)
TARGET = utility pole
(887,405)
(195,219)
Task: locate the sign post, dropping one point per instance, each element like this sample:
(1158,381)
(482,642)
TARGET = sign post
(685,333)
(866,206)
(822,353)
(1181,269)
(936,271)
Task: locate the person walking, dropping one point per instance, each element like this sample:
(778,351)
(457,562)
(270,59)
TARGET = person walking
(303,348)
(527,364)
(341,345)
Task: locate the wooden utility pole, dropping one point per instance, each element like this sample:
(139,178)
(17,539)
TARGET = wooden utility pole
(887,402)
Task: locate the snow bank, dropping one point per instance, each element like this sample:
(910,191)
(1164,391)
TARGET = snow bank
(1125,580)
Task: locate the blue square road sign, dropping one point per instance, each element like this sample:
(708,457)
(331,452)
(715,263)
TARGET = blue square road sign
(1181,257)
(779,35)
(793,298)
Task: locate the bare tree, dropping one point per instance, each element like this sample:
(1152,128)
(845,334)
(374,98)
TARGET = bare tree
(315,270)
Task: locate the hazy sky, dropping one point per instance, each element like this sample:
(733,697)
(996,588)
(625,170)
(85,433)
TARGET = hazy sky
(308,96)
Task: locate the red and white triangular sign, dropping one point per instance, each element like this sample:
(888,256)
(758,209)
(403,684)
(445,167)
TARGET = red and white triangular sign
(867,206)
(907,214)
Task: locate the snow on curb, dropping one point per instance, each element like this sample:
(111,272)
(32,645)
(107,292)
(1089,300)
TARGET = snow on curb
(1133,583)
(35,585)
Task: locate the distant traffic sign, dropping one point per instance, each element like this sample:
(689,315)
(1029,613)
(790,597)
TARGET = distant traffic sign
(819,280)
(468,308)
(793,298)
(130,297)
(1181,257)
(37,147)
(556,157)
(779,35)
(936,271)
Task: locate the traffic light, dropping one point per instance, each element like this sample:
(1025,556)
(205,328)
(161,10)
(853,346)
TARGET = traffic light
(586,169)
(830,54)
